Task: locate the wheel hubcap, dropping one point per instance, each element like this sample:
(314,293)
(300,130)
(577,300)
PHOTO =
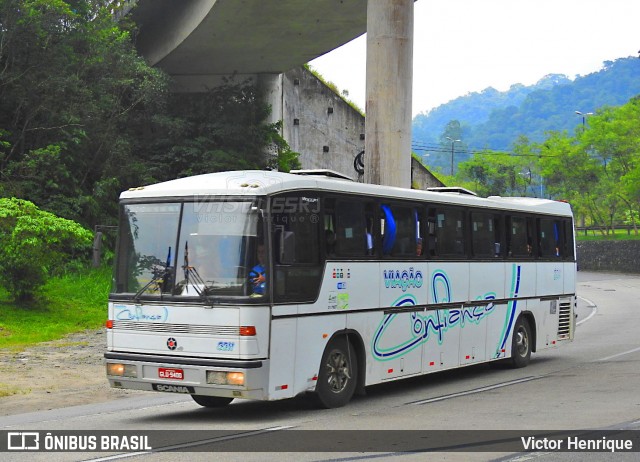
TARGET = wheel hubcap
(522,342)
(338,374)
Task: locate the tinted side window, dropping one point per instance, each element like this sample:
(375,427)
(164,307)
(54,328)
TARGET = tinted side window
(351,238)
(348,228)
(520,237)
(422,234)
(549,238)
(568,240)
(399,226)
(449,232)
(485,235)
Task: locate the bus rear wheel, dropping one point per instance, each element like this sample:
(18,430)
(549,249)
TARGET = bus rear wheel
(211,401)
(521,343)
(338,374)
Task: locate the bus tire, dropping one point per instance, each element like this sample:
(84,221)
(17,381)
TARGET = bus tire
(521,343)
(338,374)
(211,401)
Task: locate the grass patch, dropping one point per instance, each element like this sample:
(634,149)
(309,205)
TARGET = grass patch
(8,390)
(67,304)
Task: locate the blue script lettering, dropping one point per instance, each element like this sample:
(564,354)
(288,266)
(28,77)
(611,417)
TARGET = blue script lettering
(403,279)
(434,322)
(139,313)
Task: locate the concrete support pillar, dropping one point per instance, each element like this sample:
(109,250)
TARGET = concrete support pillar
(389,91)
(272,90)
(271,85)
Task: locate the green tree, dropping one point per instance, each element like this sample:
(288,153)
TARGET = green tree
(71,84)
(613,140)
(496,174)
(35,245)
(569,173)
(222,129)
(282,157)
(527,160)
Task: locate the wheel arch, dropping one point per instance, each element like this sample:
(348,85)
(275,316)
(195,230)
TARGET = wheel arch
(355,340)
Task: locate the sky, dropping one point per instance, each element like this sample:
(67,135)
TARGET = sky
(465,46)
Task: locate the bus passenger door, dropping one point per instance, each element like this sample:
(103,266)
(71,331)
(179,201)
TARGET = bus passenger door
(282,354)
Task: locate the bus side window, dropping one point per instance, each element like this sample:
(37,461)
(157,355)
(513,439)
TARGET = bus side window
(431,233)
(449,226)
(485,236)
(351,237)
(498,245)
(550,238)
(349,228)
(387,229)
(400,225)
(370,232)
(520,237)
(420,231)
(405,232)
(568,240)
(330,228)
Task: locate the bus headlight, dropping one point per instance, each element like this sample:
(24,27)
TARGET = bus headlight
(225,378)
(122,370)
(235,378)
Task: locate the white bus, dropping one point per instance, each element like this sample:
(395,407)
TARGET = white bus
(360,284)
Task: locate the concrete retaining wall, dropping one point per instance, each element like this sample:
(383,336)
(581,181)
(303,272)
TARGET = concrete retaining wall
(321,126)
(616,256)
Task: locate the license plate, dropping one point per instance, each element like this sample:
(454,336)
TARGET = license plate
(166,373)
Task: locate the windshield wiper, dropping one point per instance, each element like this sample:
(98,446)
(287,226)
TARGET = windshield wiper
(191,276)
(161,276)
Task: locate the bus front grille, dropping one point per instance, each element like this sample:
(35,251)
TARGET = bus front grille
(168,328)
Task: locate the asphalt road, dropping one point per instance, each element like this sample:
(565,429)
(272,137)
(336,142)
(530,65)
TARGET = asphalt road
(591,383)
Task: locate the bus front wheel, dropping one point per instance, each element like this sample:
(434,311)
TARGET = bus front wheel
(521,343)
(338,374)
(211,401)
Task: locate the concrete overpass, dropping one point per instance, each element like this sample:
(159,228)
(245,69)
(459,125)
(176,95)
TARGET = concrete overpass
(222,37)
(198,42)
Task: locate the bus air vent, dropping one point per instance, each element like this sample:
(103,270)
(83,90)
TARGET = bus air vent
(564,321)
(322,172)
(452,190)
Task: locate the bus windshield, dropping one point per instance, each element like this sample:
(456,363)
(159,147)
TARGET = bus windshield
(190,249)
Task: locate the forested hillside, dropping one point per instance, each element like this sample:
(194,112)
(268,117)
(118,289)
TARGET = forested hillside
(495,120)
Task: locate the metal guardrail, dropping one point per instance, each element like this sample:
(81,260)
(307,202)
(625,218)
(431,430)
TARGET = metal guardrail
(605,229)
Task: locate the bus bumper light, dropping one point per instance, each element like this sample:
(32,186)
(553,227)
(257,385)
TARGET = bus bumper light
(225,378)
(122,370)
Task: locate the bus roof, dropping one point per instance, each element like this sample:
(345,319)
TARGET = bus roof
(258,183)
